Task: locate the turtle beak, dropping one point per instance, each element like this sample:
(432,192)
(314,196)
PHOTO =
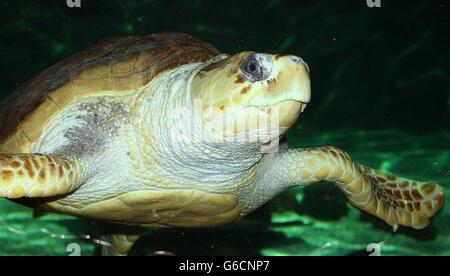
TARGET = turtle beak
(288,90)
(289,81)
(304,90)
(300,89)
(304,93)
(299,60)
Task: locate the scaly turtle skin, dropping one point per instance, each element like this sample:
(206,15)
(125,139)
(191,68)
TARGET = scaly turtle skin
(164,130)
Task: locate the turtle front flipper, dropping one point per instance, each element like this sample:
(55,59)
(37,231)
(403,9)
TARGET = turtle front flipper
(412,201)
(396,200)
(38,175)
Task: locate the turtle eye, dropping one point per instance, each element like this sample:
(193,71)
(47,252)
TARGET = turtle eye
(254,68)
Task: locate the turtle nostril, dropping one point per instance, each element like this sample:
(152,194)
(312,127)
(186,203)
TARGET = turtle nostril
(297,59)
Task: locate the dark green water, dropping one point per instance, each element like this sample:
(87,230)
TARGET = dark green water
(381,91)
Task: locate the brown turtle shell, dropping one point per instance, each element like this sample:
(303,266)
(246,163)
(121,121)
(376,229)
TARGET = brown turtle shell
(115,66)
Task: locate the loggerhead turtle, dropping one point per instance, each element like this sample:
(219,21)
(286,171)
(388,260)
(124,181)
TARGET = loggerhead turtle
(164,130)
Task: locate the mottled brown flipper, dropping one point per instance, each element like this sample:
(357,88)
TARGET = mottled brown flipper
(38,175)
(395,200)
(408,202)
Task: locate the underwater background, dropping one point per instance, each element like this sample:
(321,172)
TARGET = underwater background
(380,90)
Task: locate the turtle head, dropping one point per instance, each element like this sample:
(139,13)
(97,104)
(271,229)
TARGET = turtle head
(248,91)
